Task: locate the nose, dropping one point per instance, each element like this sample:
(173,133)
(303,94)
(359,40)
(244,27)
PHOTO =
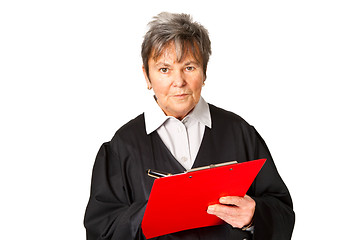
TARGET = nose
(179,79)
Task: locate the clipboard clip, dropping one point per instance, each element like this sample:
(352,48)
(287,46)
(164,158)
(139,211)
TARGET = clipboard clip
(159,174)
(211,166)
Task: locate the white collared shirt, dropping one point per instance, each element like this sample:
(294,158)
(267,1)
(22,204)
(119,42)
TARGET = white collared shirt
(182,138)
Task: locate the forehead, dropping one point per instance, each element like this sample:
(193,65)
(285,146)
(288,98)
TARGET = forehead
(176,52)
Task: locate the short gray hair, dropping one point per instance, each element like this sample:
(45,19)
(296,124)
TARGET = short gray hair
(180,29)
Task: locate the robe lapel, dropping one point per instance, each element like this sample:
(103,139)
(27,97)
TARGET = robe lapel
(207,152)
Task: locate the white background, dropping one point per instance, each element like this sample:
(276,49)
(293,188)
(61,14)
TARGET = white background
(71,75)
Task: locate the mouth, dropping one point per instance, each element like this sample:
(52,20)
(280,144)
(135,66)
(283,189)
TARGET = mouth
(181,95)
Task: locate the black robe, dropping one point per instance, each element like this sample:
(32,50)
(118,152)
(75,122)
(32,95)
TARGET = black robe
(120,187)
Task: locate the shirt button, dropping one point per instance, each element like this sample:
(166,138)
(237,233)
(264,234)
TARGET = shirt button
(184,159)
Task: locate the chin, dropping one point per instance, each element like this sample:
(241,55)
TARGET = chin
(183,111)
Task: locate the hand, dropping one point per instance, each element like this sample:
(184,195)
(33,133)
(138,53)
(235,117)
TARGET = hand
(236,211)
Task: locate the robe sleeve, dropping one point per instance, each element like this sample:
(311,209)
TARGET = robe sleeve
(274,217)
(110,214)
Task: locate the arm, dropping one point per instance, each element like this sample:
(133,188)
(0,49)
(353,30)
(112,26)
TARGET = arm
(236,211)
(110,214)
(268,206)
(274,217)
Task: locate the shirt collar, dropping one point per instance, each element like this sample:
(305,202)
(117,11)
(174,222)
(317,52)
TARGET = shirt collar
(155,117)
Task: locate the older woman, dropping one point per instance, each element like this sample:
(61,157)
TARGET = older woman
(181,131)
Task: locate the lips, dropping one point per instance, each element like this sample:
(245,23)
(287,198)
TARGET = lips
(181,94)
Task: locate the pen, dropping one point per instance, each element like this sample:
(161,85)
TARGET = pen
(211,166)
(157,174)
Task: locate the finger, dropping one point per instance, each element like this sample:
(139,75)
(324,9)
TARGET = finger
(231,200)
(227,213)
(222,211)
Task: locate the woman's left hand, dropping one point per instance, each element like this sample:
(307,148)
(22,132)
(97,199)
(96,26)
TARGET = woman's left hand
(236,211)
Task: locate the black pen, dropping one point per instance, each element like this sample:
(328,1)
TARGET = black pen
(157,174)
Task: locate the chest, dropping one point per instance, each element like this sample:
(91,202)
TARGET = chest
(214,148)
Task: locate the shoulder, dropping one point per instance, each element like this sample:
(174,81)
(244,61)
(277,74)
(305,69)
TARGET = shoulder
(132,131)
(223,117)
(136,125)
(226,124)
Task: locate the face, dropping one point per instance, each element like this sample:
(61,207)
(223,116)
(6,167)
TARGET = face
(177,85)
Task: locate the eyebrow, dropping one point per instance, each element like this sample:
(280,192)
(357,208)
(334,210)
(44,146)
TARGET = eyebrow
(192,63)
(164,64)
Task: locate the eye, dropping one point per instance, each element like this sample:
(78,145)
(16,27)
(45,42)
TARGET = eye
(190,68)
(164,70)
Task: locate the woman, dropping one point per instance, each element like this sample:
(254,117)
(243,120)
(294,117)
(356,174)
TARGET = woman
(181,131)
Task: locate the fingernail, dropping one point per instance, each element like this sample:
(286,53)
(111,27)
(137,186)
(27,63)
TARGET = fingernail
(210,209)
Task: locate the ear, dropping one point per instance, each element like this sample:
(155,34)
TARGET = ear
(204,79)
(146,78)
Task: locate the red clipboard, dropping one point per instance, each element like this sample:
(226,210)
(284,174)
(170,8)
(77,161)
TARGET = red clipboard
(179,202)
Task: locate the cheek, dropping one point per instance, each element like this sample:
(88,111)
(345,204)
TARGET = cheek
(160,88)
(197,86)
